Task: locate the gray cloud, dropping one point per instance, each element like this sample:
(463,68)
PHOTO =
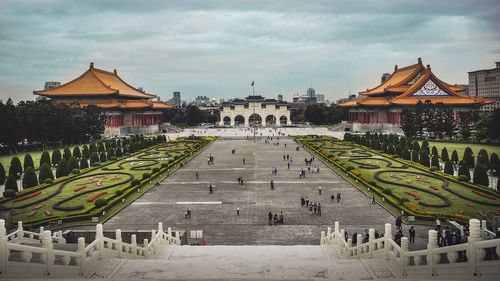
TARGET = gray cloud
(216,48)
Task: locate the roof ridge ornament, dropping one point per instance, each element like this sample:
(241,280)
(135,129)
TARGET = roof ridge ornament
(429,67)
(419,60)
(91,65)
(396,67)
(114,71)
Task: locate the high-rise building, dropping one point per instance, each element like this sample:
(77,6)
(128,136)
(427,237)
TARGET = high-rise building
(311,93)
(320,98)
(385,76)
(51,85)
(486,83)
(280,97)
(176,99)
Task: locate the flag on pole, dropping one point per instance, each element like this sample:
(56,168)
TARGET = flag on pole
(252,82)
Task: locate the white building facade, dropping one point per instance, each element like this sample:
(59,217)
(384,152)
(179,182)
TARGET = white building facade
(486,84)
(255,111)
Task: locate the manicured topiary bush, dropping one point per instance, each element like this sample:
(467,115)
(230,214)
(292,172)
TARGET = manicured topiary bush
(100,147)
(9,193)
(483,158)
(11,183)
(15,168)
(164,165)
(29,178)
(349,168)
(425,146)
(480,175)
(134,182)
(415,146)
(468,157)
(444,154)
(424,158)
(146,176)
(45,173)
(86,151)
(119,152)
(45,158)
(75,171)
(435,151)
(67,153)
(434,168)
(414,156)
(463,178)
(2,174)
(73,164)
(84,162)
(463,170)
(94,158)
(92,147)
(28,161)
(435,161)
(56,157)
(454,157)
(494,164)
(48,181)
(100,202)
(387,191)
(448,167)
(407,155)
(119,192)
(76,152)
(62,168)
(102,157)
(156,170)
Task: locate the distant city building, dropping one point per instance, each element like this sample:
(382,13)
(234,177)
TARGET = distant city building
(320,98)
(280,97)
(254,111)
(486,84)
(51,85)
(202,100)
(311,93)
(385,76)
(176,99)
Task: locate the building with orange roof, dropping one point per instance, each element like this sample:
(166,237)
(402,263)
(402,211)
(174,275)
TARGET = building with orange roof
(380,107)
(129,110)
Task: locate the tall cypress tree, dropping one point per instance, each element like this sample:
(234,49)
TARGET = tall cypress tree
(480,175)
(444,154)
(463,170)
(435,162)
(56,157)
(468,157)
(424,158)
(2,174)
(76,152)
(62,168)
(482,158)
(67,153)
(11,183)
(454,157)
(84,162)
(435,151)
(28,161)
(86,151)
(448,167)
(45,173)
(29,178)
(73,164)
(45,158)
(94,158)
(494,164)
(15,168)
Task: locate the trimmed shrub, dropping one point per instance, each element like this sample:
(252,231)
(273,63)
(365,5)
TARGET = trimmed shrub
(119,152)
(73,164)
(435,151)
(444,154)
(425,146)
(480,175)
(15,168)
(84,162)
(62,168)
(156,170)
(102,157)
(415,146)
(96,164)
(11,183)
(454,156)
(45,158)
(48,181)
(45,173)
(435,161)
(94,158)
(28,161)
(100,202)
(350,168)
(9,193)
(407,155)
(146,176)
(67,153)
(463,178)
(119,192)
(468,157)
(463,170)
(92,147)
(100,147)
(29,178)
(134,182)
(434,168)
(76,152)
(75,171)
(56,157)
(448,167)
(86,151)
(164,165)
(494,164)
(387,191)
(2,174)
(414,156)
(424,158)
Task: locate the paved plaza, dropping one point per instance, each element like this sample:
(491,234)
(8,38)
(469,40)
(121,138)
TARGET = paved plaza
(215,213)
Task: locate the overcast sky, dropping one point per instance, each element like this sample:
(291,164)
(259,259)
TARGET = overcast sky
(216,48)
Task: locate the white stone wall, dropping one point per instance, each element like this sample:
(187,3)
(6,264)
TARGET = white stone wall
(255,107)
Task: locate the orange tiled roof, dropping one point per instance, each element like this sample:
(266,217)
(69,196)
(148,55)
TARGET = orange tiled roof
(95,82)
(162,105)
(125,104)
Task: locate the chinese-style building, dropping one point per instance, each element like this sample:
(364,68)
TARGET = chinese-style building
(129,110)
(379,108)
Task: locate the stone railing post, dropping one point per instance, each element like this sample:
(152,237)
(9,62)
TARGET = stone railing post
(154,242)
(403,260)
(119,244)
(474,237)
(41,231)
(146,250)
(169,234)
(20,233)
(371,245)
(178,238)
(99,235)
(133,242)
(431,245)
(329,233)
(387,237)
(4,254)
(160,227)
(359,241)
(349,245)
(83,255)
(49,254)
(323,240)
(342,237)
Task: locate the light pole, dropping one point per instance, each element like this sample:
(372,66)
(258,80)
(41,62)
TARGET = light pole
(253,123)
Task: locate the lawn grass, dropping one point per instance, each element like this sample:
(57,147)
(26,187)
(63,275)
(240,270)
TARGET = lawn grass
(429,187)
(460,147)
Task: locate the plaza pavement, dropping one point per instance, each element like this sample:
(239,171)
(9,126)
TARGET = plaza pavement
(215,213)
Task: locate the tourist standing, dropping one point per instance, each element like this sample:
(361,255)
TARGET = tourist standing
(310,209)
(270,217)
(307,201)
(412,235)
(272,185)
(338,197)
(319,209)
(315,207)
(319,190)
(238,211)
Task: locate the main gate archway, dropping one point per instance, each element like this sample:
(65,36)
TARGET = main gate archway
(227,121)
(283,120)
(239,120)
(270,120)
(255,119)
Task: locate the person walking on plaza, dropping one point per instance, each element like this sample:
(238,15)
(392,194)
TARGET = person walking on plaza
(238,211)
(282,218)
(310,209)
(412,235)
(315,207)
(332,197)
(338,197)
(270,217)
(211,189)
(272,185)
(302,201)
(307,201)
(319,190)
(243,161)
(319,209)
(275,219)
(196,175)
(398,223)
(373,199)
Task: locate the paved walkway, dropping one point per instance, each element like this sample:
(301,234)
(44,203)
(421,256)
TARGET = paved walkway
(215,213)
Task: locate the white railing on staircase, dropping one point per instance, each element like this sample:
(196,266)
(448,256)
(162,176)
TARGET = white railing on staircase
(21,257)
(472,260)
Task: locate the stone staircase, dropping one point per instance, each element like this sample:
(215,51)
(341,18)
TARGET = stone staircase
(245,263)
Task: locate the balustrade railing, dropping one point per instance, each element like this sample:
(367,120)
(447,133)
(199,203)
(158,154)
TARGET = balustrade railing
(20,255)
(475,259)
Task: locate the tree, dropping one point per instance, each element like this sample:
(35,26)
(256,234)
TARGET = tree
(408,122)
(414,156)
(67,153)
(102,157)
(92,147)
(84,163)
(94,158)
(463,170)
(45,158)
(94,122)
(2,174)
(29,178)
(448,167)
(425,146)
(424,158)
(15,167)
(480,175)
(86,151)
(494,164)
(434,151)
(56,157)
(11,131)
(11,183)
(487,126)
(73,164)
(468,157)
(62,168)
(454,156)
(482,158)
(28,161)
(435,162)
(415,146)
(406,154)
(76,152)
(45,173)
(444,154)
(464,123)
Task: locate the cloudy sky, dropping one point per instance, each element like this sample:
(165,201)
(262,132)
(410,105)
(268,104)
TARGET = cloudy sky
(216,48)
